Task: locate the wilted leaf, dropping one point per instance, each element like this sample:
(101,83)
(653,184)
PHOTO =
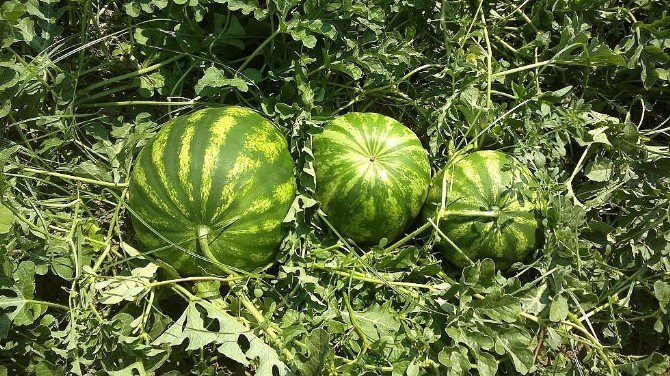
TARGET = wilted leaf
(116,290)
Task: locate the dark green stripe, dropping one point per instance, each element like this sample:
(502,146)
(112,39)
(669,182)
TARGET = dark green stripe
(325,143)
(156,185)
(231,148)
(260,188)
(484,174)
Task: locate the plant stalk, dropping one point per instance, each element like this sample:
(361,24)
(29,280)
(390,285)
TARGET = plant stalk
(203,232)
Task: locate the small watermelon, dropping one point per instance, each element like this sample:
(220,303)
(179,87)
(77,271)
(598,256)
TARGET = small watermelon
(220,175)
(372,176)
(492,209)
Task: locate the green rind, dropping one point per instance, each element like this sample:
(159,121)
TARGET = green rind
(225,168)
(369,200)
(482,181)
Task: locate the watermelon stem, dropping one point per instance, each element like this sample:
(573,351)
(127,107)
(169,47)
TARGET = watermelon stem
(451,243)
(202,233)
(443,214)
(211,289)
(408,237)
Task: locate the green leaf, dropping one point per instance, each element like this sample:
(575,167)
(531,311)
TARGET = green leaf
(246,7)
(215,78)
(498,307)
(7,38)
(23,310)
(455,360)
(535,299)
(348,68)
(561,92)
(93,170)
(487,365)
(600,136)
(599,171)
(11,11)
(132,9)
(191,327)
(129,370)
(517,347)
(378,321)
(654,364)
(151,83)
(662,294)
(320,354)
(559,309)
(6,219)
(471,337)
(140,36)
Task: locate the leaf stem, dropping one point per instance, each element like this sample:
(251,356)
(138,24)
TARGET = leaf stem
(76,178)
(578,168)
(489,57)
(138,72)
(443,214)
(408,237)
(33,226)
(366,278)
(7,302)
(599,348)
(193,279)
(357,328)
(470,213)
(258,50)
(108,246)
(403,78)
(522,68)
(138,103)
(104,93)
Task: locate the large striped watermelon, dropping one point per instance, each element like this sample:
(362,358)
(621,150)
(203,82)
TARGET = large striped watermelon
(491,209)
(372,175)
(213,185)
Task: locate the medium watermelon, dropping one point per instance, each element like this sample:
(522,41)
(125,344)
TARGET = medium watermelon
(372,176)
(213,187)
(492,209)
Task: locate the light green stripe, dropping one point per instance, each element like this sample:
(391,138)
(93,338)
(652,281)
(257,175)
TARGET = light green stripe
(494,168)
(331,138)
(284,192)
(262,142)
(185,161)
(467,171)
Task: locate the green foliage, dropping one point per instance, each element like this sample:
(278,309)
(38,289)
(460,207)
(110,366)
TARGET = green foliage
(576,90)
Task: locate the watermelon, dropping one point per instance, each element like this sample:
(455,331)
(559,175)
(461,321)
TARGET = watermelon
(372,176)
(492,209)
(212,188)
